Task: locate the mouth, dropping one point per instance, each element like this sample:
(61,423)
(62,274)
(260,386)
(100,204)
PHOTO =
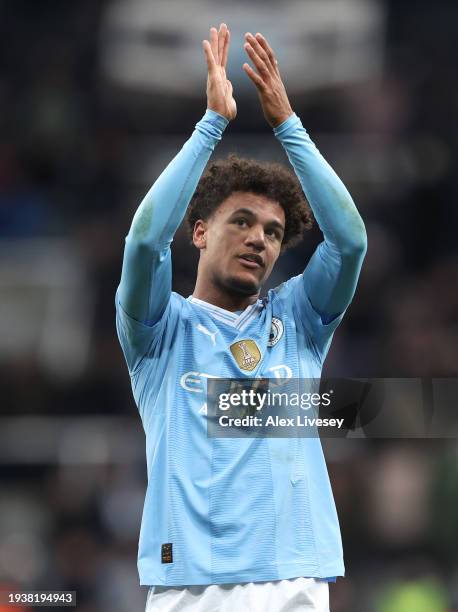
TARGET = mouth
(251,260)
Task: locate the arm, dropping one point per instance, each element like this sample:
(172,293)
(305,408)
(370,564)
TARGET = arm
(332,273)
(145,286)
(146,278)
(330,277)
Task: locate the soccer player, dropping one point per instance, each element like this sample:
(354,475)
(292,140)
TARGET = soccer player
(235,523)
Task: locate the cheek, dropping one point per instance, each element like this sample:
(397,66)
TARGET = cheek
(217,245)
(274,253)
(221,240)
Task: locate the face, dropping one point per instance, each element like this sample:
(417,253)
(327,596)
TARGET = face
(240,242)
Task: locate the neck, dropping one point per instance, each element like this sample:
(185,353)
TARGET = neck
(217,296)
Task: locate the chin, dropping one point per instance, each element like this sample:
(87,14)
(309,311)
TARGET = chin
(241,285)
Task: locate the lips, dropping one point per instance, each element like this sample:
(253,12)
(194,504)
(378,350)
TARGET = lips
(253,260)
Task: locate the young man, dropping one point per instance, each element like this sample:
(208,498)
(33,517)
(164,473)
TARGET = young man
(235,524)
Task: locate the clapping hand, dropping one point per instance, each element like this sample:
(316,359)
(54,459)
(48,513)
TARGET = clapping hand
(219,88)
(266,77)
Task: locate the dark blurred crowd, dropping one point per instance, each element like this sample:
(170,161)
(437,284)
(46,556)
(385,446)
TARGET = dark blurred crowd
(78,152)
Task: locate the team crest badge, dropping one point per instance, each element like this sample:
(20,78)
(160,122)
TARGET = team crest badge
(276,331)
(246,354)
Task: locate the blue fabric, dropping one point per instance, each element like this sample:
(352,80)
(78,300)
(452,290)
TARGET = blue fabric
(146,278)
(332,273)
(235,510)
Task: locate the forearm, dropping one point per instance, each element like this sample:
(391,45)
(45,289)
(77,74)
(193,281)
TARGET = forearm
(164,206)
(332,205)
(331,276)
(146,277)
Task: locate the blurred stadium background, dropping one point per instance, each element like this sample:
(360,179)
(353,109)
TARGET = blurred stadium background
(95,99)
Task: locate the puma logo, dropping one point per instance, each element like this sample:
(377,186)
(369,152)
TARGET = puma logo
(205,331)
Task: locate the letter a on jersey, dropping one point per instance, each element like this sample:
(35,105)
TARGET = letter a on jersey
(246,354)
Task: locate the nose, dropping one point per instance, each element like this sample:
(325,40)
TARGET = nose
(256,238)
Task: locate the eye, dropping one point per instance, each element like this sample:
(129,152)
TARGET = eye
(241,222)
(273,233)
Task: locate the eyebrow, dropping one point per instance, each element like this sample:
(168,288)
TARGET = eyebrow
(250,213)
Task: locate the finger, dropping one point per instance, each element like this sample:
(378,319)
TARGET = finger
(214,43)
(211,64)
(257,61)
(226,49)
(221,40)
(254,77)
(260,51)
(267,48)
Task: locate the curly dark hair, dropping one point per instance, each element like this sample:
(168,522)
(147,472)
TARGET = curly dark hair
(274,181)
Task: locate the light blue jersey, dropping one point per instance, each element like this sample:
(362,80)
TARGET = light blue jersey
(238,509)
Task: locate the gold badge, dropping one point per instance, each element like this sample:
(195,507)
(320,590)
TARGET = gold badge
(246,354)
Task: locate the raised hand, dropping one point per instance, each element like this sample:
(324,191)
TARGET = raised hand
(219,88)
(271,91)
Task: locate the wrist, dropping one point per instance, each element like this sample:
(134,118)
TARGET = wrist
(276,122)
(214,122)
(287,127)
(219,113)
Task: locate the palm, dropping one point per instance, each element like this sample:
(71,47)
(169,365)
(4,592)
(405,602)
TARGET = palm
(266,77)
(219,88)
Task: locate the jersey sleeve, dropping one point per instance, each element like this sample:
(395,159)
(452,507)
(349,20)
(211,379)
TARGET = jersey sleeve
(138,339)
(326,287)
(145,289)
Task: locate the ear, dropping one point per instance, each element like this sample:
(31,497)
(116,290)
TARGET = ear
(199,236)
